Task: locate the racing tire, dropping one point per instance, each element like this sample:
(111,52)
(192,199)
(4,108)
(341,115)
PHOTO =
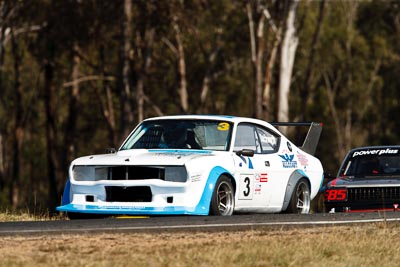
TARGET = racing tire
(223,198)
(300,201)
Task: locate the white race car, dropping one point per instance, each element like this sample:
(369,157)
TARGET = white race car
(197,165)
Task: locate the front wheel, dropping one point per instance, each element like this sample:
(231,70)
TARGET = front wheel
(223,198)
(300,200)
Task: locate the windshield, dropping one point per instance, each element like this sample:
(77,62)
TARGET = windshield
(359,165)
(181,134)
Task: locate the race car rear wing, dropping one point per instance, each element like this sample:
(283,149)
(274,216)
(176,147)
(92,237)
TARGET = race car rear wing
(312,138)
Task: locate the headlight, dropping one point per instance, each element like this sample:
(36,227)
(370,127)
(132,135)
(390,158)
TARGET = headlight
(175,174)
(89,173)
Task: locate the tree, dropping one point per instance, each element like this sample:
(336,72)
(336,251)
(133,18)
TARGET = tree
(126,99)
(257,14)
(288,52)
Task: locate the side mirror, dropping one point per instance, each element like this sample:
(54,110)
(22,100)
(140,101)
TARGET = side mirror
(245,152)
(111,150)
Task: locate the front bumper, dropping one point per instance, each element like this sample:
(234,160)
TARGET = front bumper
(364,206)
(135,200)
(120,209)
(164,198)
(371,198)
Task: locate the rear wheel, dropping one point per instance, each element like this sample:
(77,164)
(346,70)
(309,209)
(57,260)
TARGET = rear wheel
(300,200)
(223,198)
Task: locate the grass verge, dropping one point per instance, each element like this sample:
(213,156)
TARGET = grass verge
(22,215)
(364,245)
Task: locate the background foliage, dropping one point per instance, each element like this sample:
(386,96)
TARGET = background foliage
(76,76)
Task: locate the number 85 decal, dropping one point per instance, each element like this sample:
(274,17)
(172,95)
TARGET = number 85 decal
(246,185)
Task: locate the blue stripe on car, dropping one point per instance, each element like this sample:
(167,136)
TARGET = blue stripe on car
(305,175)
(65,198)
(250,164)
(181,151)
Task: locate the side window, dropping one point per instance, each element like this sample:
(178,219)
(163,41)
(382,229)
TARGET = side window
(269,141)
(245,138)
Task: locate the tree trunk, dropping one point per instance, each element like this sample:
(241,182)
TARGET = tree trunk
(183,94)
(268,111)
(18,130)
(257,51)
(307,86)
(50,135)
(73,112)
(262,71)
(3,26)
(339,129)
(351,16)
(127,116)
(288,51)
(259,68)
(205,88)
(144,69)
(2,164)
(107,105)
(266,96)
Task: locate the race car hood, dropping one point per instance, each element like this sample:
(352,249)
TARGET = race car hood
(144,157)
(364,182)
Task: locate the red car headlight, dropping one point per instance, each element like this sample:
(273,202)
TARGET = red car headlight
(335,194)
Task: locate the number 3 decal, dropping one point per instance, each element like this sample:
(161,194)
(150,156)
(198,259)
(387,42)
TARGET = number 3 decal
(247,191)
(246,186)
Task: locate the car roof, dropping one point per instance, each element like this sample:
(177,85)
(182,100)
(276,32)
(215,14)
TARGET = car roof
(235,119)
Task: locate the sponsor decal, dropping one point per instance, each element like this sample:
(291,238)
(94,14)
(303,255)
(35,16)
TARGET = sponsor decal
(122,207)
(289,146)
(288,161)
(195,178)
(302,158)
(285,151)
(263,178)
(375,152)
(257,189)
(223,126)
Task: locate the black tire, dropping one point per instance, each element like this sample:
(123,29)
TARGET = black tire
(300,201)
(223,198)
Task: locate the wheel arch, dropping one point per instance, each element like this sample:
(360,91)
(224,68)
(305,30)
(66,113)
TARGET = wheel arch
(231,178)
(203,207)
(293,179)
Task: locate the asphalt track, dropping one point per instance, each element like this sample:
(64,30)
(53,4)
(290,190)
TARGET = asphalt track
(194,223)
